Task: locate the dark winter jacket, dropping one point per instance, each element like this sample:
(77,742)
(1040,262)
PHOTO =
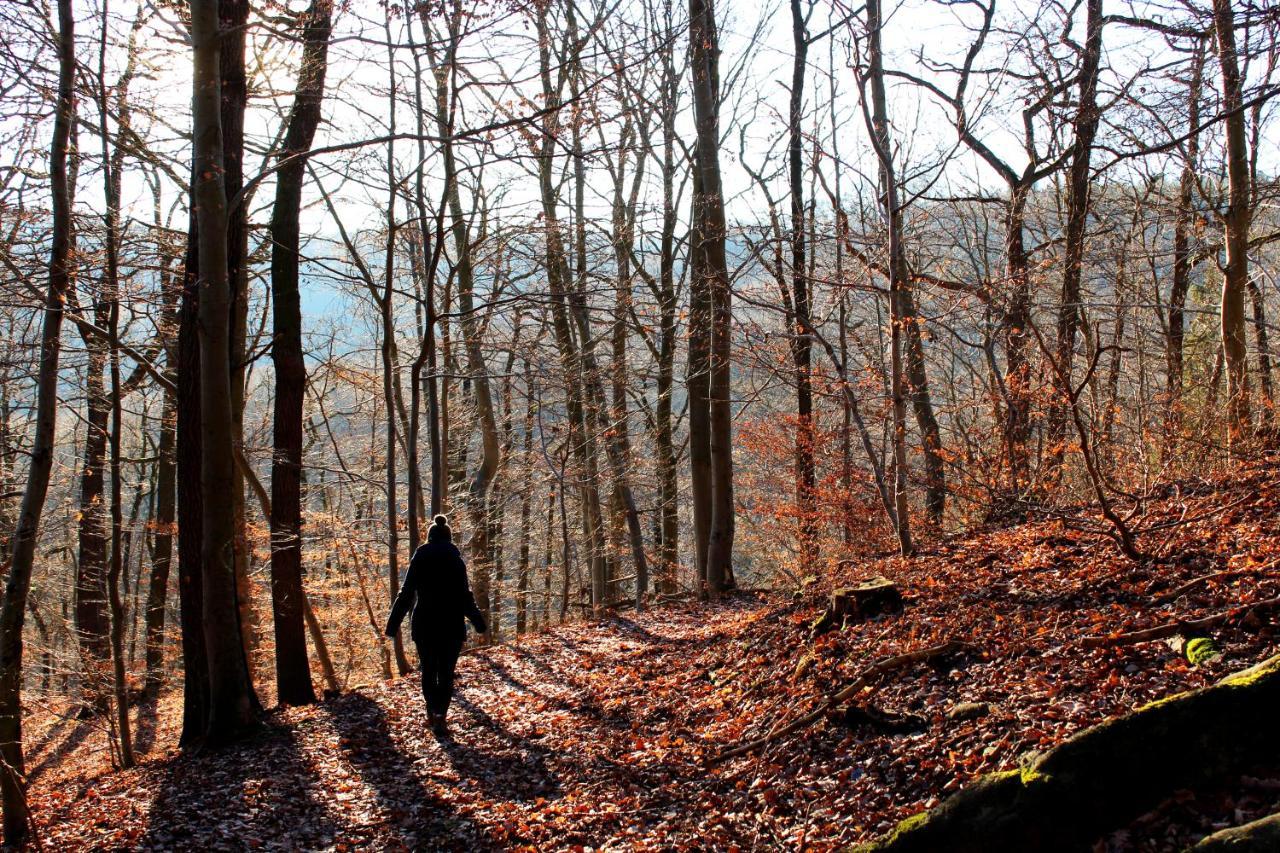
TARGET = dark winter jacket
(437,581)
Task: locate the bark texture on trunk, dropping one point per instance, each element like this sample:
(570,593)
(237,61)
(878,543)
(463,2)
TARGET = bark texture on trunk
(708,241)
(232,705)
(1235,222)
(293,669)
(14,605)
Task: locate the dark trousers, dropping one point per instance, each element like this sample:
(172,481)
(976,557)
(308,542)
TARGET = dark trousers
(439,656)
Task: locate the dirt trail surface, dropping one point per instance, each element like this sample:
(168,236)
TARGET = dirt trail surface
(598,735)
(566,739)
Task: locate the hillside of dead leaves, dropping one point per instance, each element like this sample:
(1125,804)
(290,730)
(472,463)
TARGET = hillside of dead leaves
(604,735)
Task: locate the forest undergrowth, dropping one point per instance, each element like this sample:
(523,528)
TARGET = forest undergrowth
(610,734)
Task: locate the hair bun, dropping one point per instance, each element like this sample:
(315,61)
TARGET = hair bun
(441,521)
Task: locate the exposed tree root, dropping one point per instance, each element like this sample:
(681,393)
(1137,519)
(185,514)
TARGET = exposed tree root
(1260,836)
(888,664)
(1185,627)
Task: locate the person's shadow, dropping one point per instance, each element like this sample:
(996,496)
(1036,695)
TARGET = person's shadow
(421,818)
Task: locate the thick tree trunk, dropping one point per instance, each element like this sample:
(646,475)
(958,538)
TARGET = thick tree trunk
(232,705)
(13,608)
(233,18)
(708,239)
(190,510)
(91,620)
(698,390)
(293,670)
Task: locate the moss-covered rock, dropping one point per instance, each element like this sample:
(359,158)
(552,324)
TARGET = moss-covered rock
(1201,650)
(1261,836)
(1105,776)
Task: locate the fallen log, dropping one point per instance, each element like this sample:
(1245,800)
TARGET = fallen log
(1185,627)
(1106,776)
(846,693)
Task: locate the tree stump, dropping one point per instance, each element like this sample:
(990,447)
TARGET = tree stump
(851,604)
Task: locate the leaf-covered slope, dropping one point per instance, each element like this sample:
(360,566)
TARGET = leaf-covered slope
(600,734)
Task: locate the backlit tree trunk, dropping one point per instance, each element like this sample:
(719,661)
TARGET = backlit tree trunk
(293,671)
(13,608)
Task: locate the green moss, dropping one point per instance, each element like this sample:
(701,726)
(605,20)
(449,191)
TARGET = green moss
(1253,674)
(1031,776)
(1201,650)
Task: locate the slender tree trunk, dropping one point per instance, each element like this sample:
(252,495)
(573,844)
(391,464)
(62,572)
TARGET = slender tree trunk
(293,670)
(389,366)
(1017,320)
(163,519)
(112,165)
(1183,259)
(1266,403)
(801,348)
(445,70)
(897,272)
(664,438)
(1078,185)
(1235,223)
(13,608)
(558,282)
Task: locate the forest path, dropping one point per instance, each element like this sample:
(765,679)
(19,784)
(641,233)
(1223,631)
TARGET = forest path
(569,738)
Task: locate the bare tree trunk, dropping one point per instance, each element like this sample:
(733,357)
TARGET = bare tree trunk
(801,348)
(288,599)
(664,441)
(1183,259)
(388,353)
(558,282)
(1016,324)
(1235,223)
(232,705)
(708,237)
(897,271)
(698,390)
(233,18)
(445,71)
(112,165)
(13,608)
(190,508)
(1078,184)
(163,520)
(1266,404)
(91,620)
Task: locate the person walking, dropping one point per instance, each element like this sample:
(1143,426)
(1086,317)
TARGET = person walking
(436,590)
